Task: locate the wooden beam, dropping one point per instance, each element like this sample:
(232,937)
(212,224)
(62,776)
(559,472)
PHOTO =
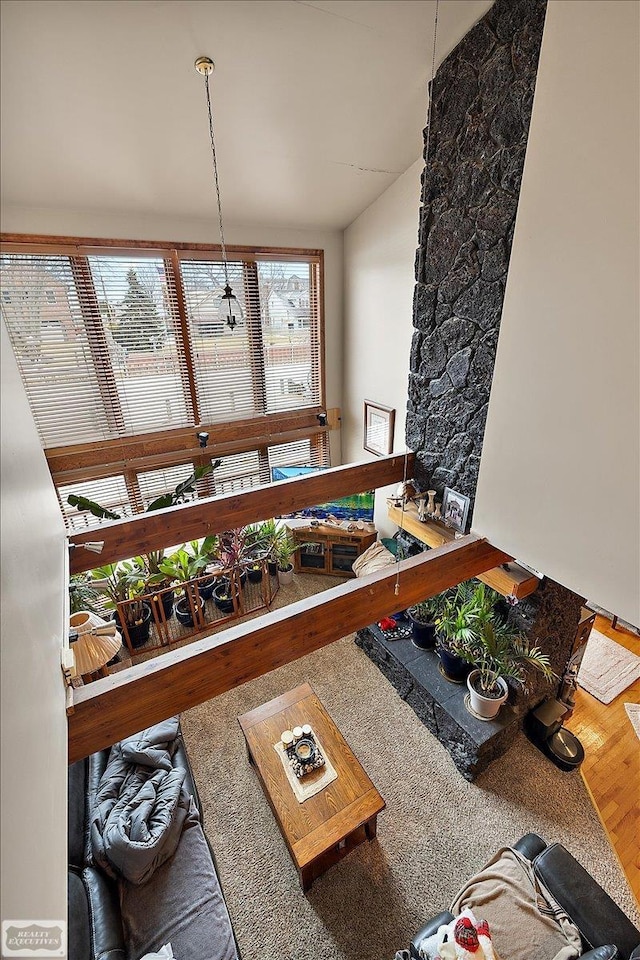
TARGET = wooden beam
(162,528)
(229,437)
(127,701)
(514,582)
(222,450)
(22,242)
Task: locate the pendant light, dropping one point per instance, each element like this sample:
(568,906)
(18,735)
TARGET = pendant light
(229,309)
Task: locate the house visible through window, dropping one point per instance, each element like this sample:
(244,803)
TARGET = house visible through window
(115,345)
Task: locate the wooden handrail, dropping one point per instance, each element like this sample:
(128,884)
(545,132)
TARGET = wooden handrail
(163,528)
(130,700)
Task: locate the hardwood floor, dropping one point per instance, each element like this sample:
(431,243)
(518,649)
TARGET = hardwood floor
(611,769)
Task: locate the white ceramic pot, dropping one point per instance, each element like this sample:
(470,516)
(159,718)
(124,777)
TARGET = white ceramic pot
(487,707)
(92,650)
(285,576)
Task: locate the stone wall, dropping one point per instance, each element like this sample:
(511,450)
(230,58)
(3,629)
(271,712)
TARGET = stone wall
(482,101)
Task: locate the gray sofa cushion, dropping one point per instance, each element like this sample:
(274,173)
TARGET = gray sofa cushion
(181,904)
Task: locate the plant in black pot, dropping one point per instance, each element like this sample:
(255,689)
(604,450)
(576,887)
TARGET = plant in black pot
(226,595)
(269,535)
(234,553)
(455,625)
(498,653)
(157,583)
(423,624)
(204,564)
(180,568)
(125,586)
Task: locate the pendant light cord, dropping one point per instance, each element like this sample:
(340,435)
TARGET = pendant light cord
(215,175)
(430,90)
(396,588)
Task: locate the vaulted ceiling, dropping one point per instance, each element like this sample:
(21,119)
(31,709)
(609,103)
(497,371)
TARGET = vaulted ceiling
(319,104)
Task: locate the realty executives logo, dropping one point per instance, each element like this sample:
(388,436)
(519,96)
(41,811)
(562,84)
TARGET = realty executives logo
(34,938)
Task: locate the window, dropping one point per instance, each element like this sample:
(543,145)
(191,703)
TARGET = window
(119,344)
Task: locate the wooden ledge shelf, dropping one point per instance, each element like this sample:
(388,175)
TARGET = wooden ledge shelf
(514,582)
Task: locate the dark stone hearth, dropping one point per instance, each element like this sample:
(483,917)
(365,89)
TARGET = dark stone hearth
(482,99)
(472,743)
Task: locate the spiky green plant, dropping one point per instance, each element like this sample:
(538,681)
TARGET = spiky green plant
(498,650)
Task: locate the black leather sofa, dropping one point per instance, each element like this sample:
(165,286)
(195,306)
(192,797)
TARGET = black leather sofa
(97,929)
(606,932)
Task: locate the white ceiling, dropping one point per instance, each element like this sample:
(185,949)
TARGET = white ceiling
(318,104)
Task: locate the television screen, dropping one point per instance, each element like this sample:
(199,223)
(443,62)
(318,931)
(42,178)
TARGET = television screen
(358,506)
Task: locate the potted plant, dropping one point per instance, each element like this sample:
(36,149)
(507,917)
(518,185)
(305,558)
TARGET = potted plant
(423,625)
(499,653)
(284,549)
(234,553)
(180,567)
(202,553)
(226,595)
(124,584)
(455,626)
(269,535)
(157,583)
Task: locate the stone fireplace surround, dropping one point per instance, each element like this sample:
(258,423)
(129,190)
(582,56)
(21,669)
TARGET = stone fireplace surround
(482,98)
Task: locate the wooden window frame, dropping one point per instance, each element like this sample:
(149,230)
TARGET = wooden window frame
(130,454)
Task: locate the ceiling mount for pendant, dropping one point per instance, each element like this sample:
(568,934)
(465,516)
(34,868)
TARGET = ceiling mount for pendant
(205,66)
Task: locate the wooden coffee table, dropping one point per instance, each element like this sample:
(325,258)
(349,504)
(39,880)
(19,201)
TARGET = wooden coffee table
(324,828)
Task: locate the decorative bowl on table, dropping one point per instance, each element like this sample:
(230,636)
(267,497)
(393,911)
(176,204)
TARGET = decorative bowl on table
(305,750)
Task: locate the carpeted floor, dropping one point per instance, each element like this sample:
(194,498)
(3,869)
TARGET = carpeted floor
(437,828)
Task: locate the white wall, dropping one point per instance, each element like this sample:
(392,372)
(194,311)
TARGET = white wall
(559,482)
(85,223)
(379,253)
(34,725)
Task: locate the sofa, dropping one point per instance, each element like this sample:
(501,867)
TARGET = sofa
(605,931)
(182,903)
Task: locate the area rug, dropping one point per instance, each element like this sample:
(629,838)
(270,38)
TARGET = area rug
(607,668)
(436,831)
(633,712)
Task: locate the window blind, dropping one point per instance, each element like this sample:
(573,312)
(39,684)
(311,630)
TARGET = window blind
(271,361)
(124,343)
(109,492)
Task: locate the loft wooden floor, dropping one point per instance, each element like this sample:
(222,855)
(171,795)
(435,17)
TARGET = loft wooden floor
(611,768)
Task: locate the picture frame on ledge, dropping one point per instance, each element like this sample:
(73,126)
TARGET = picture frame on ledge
(455,509)
(379,423)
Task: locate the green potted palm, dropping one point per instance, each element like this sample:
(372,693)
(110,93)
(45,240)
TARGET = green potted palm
(498,653)
(125,586)
(455,625)
(284,549)
(270,532)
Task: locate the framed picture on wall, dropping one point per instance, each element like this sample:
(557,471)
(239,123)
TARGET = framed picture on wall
(455,509)
(379,423)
